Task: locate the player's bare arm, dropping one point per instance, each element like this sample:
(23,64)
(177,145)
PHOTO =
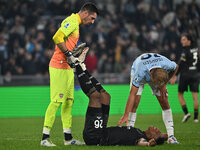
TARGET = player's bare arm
(129,105)
(172,75)
(143,142)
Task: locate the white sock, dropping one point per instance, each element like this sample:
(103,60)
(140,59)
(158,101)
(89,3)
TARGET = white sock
(46,131)
(67,130)
(168,120)
(131,119)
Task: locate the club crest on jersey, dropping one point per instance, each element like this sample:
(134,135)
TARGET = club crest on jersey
(67,25)
(61,95)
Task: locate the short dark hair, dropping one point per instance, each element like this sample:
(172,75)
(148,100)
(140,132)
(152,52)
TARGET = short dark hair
(189,37)
(90,7)
(160,140)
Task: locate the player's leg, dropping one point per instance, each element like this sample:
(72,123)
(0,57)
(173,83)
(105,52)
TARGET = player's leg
(67,84)
(166,113)
(167,118)
(196,106)
(194,88)
(104,96)
(48,123)
(182,87)
(94,117)
(132,115)
(184,107)
(56,97)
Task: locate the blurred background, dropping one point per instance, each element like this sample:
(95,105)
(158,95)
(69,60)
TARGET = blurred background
(124,29)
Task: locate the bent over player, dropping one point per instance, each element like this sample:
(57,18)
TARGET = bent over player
(156,70)
(95,130)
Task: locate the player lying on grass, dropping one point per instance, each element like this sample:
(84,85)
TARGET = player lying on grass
(95,131)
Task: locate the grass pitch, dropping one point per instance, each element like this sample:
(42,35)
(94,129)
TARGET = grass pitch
(25,133)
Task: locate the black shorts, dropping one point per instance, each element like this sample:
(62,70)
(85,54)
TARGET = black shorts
(190,80)
(93,129)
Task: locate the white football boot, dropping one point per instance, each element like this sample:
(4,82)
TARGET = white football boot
(172,140)
(74,142)
(47,142)
(186,117)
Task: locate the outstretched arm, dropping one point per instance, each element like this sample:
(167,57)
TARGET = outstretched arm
(129,105)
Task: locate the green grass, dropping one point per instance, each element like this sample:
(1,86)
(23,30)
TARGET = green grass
(25,133)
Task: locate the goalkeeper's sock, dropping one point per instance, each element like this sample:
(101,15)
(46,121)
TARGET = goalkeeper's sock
(196,112)
(185,110)
(46,133)
(168,120)
(84,81)
(67,134)
(131,119)
(95,83)
(45,136)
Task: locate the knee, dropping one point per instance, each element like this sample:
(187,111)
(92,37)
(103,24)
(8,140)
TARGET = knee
(54,105)
(180,94)
(95,96)
(105,98)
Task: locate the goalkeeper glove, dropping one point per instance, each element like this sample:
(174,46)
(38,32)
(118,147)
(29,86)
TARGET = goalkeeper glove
(71,60)
(78,50)
(71,55)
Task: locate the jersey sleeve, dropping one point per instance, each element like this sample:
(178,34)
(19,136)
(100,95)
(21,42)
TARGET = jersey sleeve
(58,37)
(68,26)
(137,78)
(169,65)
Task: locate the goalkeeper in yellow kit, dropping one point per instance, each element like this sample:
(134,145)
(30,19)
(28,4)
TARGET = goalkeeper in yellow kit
(62,75)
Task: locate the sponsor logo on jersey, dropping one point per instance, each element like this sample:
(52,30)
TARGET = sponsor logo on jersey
(99,117)
(61,95)
(67,25)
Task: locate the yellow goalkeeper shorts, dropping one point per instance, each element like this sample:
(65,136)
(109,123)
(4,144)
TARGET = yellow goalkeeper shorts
(61,84)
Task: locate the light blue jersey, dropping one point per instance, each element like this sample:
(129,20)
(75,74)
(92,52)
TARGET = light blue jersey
(141,67)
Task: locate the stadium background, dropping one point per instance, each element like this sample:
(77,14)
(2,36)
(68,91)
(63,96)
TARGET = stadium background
(122,31)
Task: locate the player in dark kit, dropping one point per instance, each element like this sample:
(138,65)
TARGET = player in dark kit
(95,131)
(188,75)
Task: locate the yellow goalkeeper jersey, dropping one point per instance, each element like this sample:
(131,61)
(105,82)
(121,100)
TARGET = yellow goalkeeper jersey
(70,28)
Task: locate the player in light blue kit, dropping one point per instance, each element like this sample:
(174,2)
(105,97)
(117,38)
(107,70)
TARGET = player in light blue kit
(156,70)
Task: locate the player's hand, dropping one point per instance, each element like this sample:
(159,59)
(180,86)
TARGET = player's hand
(173,80)
(123,119)
(152,142)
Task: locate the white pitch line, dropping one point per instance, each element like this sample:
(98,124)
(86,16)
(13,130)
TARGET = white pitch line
(17,139)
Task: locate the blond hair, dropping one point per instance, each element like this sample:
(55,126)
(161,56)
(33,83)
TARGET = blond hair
(159,76)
